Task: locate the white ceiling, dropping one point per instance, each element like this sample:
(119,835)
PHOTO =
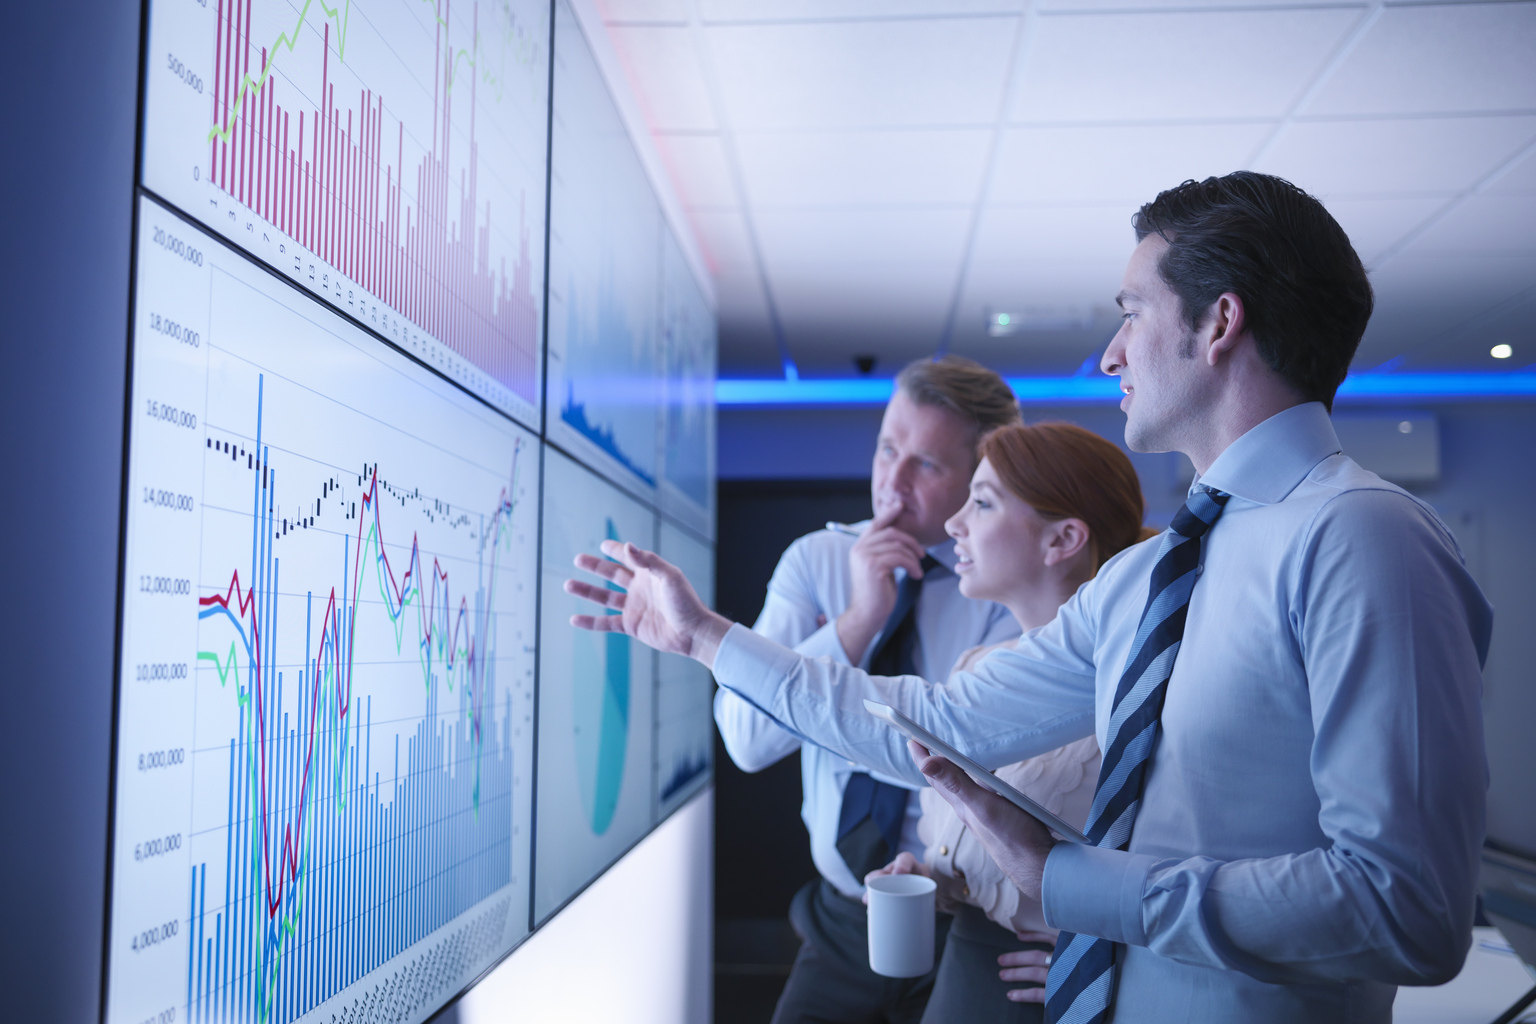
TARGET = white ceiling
(873,176)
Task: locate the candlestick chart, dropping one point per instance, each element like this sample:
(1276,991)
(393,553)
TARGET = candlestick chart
(332,746)
(388,158)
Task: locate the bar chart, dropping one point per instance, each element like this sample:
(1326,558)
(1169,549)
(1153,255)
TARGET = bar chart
(390,161)
(327,723)
(605,360)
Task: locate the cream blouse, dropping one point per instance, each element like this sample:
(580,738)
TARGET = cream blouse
(1062,781)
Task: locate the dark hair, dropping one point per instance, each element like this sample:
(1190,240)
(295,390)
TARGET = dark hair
(1065,472)
(1305,295)
(966,388)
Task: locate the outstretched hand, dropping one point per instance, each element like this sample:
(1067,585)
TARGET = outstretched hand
(1016,842)
(657,605)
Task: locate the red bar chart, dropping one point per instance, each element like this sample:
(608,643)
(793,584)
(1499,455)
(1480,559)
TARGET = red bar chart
(393,164)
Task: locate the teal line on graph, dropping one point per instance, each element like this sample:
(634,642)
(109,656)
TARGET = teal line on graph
(600,691)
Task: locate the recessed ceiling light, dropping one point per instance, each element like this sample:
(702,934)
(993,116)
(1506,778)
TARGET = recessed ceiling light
(1001,324)
(1501,351)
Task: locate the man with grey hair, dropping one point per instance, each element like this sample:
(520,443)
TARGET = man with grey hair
(882,596)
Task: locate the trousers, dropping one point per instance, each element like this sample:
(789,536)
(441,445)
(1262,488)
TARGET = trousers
(966,987)
(831,982)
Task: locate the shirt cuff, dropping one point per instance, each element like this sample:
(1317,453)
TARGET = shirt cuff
(1096,892)
(824,643)
(754,667)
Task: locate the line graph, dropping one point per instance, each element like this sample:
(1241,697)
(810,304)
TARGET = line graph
(390,160)
(325,774)
(383,848)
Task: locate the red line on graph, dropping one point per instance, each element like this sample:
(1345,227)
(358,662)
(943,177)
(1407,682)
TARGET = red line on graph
(337,653)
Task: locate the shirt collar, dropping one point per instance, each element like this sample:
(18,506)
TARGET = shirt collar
(1266,464)
(944,553)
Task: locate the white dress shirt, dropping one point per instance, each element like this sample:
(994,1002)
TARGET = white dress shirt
(1309,832)
(1061,780)
(812,581)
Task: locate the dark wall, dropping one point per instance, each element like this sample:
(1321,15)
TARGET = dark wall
(70,90)
(762,854)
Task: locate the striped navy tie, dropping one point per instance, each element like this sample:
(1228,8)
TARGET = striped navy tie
(1081,983)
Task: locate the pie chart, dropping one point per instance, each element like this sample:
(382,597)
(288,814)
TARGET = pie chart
(600,692)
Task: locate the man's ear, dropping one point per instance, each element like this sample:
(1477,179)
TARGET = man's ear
(1065,539)
(1225,323)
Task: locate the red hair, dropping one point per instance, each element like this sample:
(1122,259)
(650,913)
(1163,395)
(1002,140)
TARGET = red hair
(1065,472)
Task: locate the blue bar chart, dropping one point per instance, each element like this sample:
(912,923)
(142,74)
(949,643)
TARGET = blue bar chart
(327,727)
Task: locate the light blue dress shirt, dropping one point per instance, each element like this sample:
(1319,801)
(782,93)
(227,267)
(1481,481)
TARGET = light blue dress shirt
(810,581)
(1309,833)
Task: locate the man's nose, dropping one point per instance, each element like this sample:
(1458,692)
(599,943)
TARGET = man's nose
(1114,356)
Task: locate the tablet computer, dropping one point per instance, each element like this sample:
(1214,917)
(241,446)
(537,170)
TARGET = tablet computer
(904,725)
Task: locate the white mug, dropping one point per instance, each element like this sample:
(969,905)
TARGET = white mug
(901,909)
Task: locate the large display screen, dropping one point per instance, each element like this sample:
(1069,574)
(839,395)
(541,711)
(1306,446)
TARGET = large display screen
(360,753)
(597,697)
(389,158)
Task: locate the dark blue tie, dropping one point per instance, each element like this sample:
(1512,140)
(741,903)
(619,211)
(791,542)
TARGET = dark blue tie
(869,824)
(1081,983)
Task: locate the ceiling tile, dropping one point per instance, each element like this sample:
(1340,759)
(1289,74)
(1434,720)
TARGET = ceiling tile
(1437,59)
(663,70)
(1168,66)
(863,168)
(1520,179)
(1482,224)
(698,169)
(1094,236)
(1035,353)
(839,244)
(1116,164)
(894,297)
(1395,157)
(1375,224)
(827,10)
(1428,299)
(654,11)
(861,280)
(1513,324)
(862,74)
(724,243)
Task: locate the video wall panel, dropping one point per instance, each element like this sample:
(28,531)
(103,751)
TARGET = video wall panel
(390,160)
(605,360)
(596,696)
(345,465)
(685,721)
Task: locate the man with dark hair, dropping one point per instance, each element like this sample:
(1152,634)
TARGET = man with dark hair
(882,596)
(1286,685)
(1305,295)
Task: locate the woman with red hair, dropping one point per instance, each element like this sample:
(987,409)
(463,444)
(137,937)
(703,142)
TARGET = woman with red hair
(1049,504)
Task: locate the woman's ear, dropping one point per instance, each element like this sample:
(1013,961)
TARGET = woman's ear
(1065,540)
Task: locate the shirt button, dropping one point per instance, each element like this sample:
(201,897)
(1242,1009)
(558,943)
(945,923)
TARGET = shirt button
(943,851)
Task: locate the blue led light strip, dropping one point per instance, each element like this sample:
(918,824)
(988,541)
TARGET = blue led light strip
(873,391)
